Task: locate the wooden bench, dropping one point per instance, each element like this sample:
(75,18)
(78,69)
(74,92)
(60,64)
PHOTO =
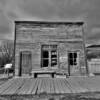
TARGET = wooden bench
(60,73)
(36,72)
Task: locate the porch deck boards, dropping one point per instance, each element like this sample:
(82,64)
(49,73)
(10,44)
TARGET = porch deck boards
(56,86)
(23,86)
(30,87)
(6,85)
(26,86)
(39,87)
(2,81)
(80,84)
(65,87)
(92,84)
(35,87)
(14,87)
(75,86)
(52,87)
(46,86)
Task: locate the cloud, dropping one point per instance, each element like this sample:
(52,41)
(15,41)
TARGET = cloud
(3,2)
(96,30)
(53,8)
(4,24)
(87,10)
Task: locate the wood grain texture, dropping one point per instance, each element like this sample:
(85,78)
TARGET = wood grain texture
(27,86)
(30,36)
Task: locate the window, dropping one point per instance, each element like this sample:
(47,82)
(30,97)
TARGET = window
(45,58)
(72,58)
(53,57)
(49,55)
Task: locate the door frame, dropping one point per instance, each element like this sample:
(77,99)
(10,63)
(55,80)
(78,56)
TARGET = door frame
(20,61)
(20,64)
(74,51)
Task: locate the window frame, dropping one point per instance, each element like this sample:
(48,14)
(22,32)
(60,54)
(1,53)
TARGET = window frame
(73,58)
(51,47)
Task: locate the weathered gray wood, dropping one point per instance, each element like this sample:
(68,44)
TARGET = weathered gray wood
(30,36)
(31,86)
(42,86)
(69,86)
(3,81)
(14,87)
(66,87)
(56,85)
(41,71)
(76,87)
(45,86)
(35,87)
(63,86)
(39,86)
(27,86)
(60,85)
(47,82)
(52,87)
(6,85)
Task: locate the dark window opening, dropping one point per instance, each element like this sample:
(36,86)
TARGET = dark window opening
(72,58)
(45,54)
(53,58)
(45,63)
(49,55)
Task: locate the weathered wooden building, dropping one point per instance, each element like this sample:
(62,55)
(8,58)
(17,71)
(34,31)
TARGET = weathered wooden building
(49,45)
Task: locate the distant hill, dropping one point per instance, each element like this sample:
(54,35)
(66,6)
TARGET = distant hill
(94,46)
(93,51)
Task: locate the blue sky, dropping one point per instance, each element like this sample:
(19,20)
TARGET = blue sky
(86,10)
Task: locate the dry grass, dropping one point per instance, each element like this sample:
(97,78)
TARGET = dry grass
(86,96)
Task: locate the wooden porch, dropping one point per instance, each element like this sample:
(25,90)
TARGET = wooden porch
(28,86)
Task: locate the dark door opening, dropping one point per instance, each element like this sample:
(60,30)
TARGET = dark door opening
(72,61)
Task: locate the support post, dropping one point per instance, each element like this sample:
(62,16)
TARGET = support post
(85,52)
(14,49)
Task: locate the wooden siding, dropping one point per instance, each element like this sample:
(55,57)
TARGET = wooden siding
(67,36)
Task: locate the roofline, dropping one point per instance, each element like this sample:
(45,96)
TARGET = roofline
(52,22)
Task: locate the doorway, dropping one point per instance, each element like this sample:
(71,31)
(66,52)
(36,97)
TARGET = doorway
(72,61)
(25,62)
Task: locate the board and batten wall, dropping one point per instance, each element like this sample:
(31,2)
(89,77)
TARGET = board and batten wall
(68,36)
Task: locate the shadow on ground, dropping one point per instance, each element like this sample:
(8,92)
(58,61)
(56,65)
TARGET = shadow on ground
(44,96)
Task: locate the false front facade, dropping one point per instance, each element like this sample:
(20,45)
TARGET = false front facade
(49,45)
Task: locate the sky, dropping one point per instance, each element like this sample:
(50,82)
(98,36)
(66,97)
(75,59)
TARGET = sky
(45,10)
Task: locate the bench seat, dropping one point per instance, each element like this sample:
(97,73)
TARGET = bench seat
(36,72)
(51,72)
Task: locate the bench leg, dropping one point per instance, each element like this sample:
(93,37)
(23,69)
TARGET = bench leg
(35,75)
(52,75)
(67,76)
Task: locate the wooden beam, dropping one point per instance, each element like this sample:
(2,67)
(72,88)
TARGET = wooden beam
(86,64)
(14,48)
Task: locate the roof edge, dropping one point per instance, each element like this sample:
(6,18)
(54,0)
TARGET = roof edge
(52,22)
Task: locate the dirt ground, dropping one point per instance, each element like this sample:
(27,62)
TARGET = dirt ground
(85,96)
